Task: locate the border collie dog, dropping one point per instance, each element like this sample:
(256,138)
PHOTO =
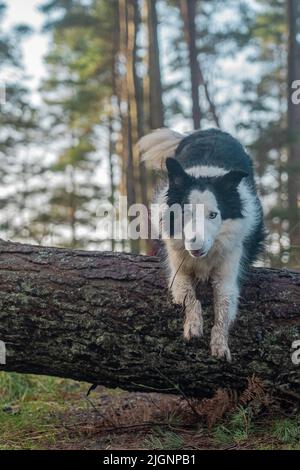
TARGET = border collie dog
(208,168)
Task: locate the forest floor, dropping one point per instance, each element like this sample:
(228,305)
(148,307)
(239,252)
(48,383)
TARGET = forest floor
(51,413)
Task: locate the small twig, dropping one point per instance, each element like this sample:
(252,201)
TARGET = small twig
(183,260)
(97,410)
(181,392)
(154,389)
(290,393)
(133,426)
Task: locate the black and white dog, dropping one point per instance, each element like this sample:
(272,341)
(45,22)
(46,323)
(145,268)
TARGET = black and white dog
(208,168)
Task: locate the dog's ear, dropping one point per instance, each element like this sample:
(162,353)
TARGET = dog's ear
(232,179)
(177,175)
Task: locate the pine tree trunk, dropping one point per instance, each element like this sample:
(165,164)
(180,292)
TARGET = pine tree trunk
(293,9)
(188,11)
(156,118)
(153,103)
(106,318)
(139,115)
(111,151)
(127,105)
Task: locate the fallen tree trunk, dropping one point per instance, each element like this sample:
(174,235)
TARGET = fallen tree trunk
(106,318)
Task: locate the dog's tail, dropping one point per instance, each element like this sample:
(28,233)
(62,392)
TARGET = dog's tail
(156,147)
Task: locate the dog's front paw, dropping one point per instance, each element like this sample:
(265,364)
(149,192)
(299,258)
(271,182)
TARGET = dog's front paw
(192,329)
(178,298)
(193,325)
(219,345)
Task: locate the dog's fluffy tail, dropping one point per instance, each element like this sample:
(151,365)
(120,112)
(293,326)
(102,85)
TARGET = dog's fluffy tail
(156,147)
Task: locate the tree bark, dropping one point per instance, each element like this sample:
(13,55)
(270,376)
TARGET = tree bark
(106,318)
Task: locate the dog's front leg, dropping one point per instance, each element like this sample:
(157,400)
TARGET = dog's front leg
(226,293)
(183,292)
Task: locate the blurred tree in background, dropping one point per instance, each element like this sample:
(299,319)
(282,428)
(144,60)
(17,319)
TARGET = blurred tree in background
(270,121)
(293,168)
(119,68)
(18,129)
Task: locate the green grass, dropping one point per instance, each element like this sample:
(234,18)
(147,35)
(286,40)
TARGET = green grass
(28,427)
(29,409)
(15,386)
(236,429)
(287,431)
(42,412)
(163,440)
(242,430)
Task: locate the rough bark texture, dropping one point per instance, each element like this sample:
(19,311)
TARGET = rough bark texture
(107,318)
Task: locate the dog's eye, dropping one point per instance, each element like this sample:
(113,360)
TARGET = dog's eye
(213,215)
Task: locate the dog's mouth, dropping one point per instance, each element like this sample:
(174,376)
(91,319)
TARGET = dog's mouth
(197,253)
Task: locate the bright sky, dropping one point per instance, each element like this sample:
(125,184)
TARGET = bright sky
(35,46)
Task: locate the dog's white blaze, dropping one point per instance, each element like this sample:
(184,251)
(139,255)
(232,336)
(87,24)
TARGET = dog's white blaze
(207,230)
(205,170)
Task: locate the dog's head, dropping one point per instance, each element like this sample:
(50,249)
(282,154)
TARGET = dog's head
(204,202)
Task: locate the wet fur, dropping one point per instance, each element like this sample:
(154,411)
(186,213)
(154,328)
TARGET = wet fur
(214,164)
